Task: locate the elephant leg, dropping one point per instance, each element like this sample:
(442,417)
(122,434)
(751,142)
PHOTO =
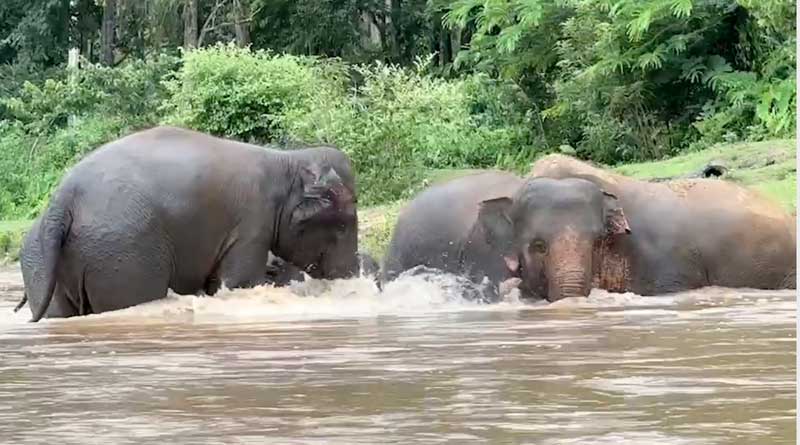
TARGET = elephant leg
(137,281)
(61,306)
(244,265)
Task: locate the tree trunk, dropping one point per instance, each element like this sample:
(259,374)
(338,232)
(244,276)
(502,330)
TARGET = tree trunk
(455,43)
(190,24)
(392,12)
(241,14)
(444,46)
(108,30)
(370,33)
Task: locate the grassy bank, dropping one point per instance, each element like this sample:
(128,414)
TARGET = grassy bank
(11,233)
(766,166)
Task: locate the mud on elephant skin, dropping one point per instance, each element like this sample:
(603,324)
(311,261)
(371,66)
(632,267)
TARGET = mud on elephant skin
(169,208)
(570,223)
(438,230)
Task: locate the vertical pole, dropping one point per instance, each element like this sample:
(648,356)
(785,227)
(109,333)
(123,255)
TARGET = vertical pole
(72,73)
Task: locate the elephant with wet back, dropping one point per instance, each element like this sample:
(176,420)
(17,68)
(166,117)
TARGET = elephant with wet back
(439,230)
(570,227)
(573,227)
(169,208)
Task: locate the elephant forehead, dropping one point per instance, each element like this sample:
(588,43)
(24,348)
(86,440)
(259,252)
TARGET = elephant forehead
(554,197)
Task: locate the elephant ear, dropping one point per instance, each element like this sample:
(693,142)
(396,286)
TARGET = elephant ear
(494,219)
(616,222)
(325,195)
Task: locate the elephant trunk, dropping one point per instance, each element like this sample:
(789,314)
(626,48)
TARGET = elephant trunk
(569,267)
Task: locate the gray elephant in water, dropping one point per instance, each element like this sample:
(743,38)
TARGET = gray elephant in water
(282,273)
(440,230)
(169,208)
(574,227)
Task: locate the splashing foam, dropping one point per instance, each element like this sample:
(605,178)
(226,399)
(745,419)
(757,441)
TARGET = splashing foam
(416,293)
(412,294)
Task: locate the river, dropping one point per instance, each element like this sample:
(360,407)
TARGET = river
(341,363)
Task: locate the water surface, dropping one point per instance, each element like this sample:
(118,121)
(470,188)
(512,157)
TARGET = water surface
(340,363)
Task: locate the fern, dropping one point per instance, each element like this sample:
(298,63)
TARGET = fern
(693,69)
(716,67)
(681,8)
(509,37)
(650,61)
(639,25)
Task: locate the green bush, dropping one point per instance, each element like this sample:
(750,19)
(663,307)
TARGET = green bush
(33,166)
(398,122)
(132,91)
(234,92)
(50,125)
(638,80)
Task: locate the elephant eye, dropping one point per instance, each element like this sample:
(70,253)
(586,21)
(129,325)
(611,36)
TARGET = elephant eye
(539,246)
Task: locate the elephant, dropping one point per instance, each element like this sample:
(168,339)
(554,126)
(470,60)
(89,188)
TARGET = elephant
(438,230)
(282,273)
(170,208)
(574,227)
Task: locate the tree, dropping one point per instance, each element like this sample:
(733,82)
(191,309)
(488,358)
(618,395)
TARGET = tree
(190,37)
(109,30)
(34,32)
(241,18)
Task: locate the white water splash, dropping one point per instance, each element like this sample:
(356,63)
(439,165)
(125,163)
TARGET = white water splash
(409,295)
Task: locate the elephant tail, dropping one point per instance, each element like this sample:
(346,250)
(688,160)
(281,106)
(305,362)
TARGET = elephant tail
(21,303)
(52,233)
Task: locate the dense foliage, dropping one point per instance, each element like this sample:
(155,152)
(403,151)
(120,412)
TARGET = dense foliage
(633,79)
(401,85)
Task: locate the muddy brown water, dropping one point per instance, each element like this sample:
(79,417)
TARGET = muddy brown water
(340,363)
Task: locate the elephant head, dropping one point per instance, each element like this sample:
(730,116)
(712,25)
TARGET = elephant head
(319,232)
(548,233)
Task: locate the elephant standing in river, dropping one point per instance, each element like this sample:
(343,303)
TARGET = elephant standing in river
(438,230)
(575,227)
(169,208)
(282,273)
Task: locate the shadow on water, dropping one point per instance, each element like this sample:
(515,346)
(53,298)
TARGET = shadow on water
(339,362)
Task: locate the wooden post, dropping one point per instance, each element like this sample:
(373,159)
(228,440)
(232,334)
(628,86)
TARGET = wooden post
(72,73)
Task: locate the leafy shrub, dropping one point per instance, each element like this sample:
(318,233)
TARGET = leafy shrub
(636,80)
(14,77)
(399,122)
(50,125)
(133,91)
(33,166)
(234,92)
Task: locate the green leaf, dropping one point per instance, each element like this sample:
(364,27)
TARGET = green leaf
(653,60)
(681,8)
(639,25)
(509,37)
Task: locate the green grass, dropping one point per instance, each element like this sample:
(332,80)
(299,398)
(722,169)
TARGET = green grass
(441,175)
(11,233)
(769,167)
(375,226)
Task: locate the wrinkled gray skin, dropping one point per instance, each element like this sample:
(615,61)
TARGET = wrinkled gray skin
(169,208)
(438,230)
(552,226)
(575,227)
(282,273)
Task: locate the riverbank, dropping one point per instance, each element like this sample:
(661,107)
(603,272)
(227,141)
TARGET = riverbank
(769,167)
